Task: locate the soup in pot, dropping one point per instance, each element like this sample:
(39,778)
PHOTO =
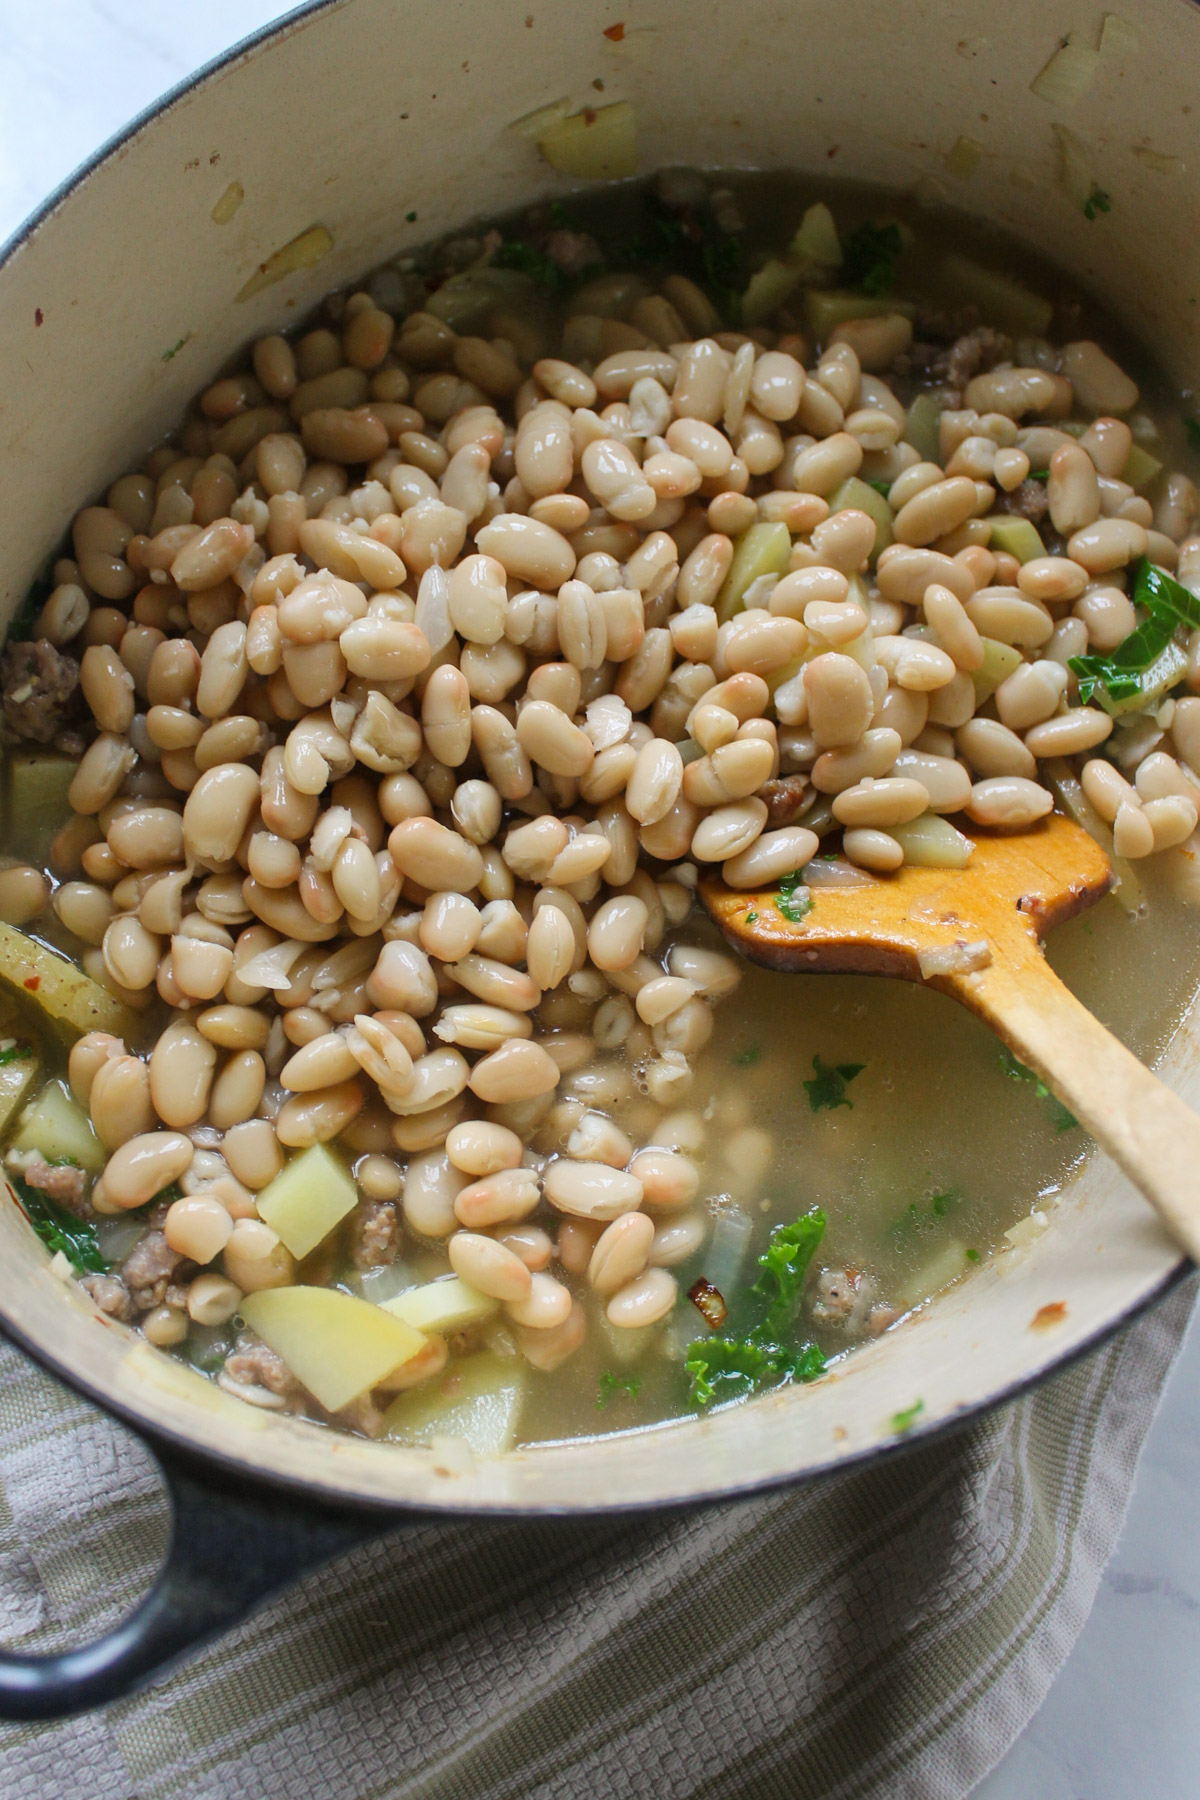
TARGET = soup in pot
(365,1046)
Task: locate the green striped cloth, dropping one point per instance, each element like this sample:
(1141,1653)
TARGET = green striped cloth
(885,1633)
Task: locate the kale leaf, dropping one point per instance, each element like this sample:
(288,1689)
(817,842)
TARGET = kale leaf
(730,1368)
(870,255)
(735,1364)
(612,1386)
(61,1230)
(1167,606)
(827,1089)
(1064,1119)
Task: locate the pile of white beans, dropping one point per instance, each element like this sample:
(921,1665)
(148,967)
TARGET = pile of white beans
(416,718)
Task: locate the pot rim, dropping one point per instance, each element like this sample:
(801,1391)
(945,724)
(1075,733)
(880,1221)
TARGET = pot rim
(830,1464)
(190,1444)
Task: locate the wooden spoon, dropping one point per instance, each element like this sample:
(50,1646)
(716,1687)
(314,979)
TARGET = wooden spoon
(996,912)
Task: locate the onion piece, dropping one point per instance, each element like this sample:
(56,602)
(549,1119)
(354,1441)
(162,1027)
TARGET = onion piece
(595,144)
(1069,73)
(958,958)
(836,873)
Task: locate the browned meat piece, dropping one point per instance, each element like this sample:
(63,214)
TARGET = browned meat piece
(573,251)
(942,326)
(374,1234)
(148,1269)
(362,1415)
(980,349)
(253,1365)
(784,798)
(845,1297)
(39,691)
(1028,501)
(62,1182)
(110,1294)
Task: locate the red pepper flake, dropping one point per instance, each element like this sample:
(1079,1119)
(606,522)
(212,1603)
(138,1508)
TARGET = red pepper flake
(38,315)
(589,115)
(32,982)
(709,1302)
(614,33)
(1047,1317)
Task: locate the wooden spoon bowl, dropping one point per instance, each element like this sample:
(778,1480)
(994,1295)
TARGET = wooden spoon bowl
(976,934)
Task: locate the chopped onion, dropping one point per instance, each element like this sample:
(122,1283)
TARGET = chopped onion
(1068,75)
(1026,1230)
(302,252)
(837,873)
(958,958)
(1118,37)
(595,145)
(964,157)
(534,125)
(1158,160)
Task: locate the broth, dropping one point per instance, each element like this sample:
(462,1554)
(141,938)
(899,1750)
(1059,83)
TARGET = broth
(880,1103)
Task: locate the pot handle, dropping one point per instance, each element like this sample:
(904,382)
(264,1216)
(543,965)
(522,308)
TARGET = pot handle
(231,1547)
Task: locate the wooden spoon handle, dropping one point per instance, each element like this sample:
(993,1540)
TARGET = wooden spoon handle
(1147,1130)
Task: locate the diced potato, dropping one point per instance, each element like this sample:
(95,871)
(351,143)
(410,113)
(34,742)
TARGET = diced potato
(932,842)
(47,983)
(768,288)
(16,1078)
(625,1346)
(999,661)
(478,1399)
(308,1198)
(445,1305)
(1019,537)
(816,238)
(946,1266)
(1140,468)
(923,430)
(60,1130)
(827,308)
(862,495)
(596,145)
(36,799)
(1002,302)
(337,1345)
(763,550)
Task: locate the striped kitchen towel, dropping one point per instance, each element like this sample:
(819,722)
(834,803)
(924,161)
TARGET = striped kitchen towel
(885,1633)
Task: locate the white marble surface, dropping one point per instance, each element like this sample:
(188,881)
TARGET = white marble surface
(1122,1717)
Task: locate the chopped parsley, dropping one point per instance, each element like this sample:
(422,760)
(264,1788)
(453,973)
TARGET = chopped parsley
(763,1353)
(880,486)
(1122,674)
(61,1230)
(15,1053)
(614,1386)
(794,898)
(918,1218)
(870,255)
(827,1089)
(1038,475)
(973,1256)
(751,917)
(169,355)
(1064,1119)
(1097,202)
(515,253)
(746,1059)
(904,1421)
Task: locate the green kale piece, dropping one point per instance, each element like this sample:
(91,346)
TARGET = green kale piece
(827,1089)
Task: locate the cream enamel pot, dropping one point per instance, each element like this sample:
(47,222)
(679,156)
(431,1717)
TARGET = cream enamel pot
(118,302)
